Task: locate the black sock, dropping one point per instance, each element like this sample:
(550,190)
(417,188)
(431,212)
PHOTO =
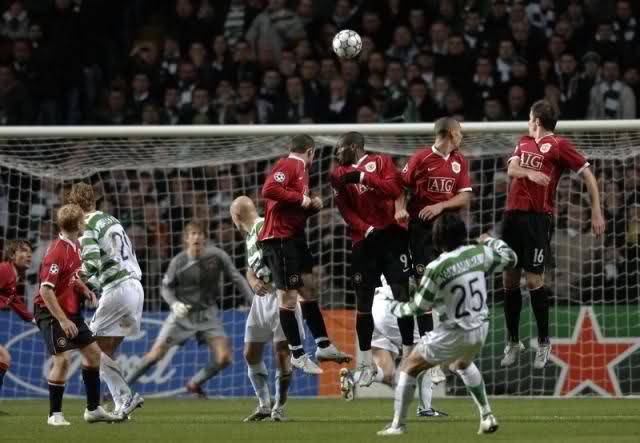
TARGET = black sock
(289,325)
(425,323)
(540,307)
(512,308)
(406,326)
(364,328)
(56,391)
(313,316)
(3,370)
(91,378)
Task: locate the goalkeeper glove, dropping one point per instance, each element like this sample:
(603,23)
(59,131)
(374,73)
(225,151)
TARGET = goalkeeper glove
(350,177)
(179,309)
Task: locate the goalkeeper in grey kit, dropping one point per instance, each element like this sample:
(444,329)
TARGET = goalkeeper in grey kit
(189,287)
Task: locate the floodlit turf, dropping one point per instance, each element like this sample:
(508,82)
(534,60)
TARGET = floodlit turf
(328,421)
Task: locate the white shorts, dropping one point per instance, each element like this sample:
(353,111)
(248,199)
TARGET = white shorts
(444,346)
(386,334)
(119,312)
(263,321)
(199,324)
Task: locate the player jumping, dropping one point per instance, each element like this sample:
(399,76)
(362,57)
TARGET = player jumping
(17,260)
(59,317)
(438,180)
(263,322)
(535,167)
(284,244)
(366,187)
(110,265)
(453,286)
(190,289)
(386,347)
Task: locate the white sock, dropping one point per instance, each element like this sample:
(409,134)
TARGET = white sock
(425,390)
(112,375)
(367,357)
(283,381)
(403,396)
(258,375)
(475,385)
(379,375)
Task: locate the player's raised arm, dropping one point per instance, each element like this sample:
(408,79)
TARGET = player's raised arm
(388,184)
(515,170)
(498,255)
(276,187)
(421,301)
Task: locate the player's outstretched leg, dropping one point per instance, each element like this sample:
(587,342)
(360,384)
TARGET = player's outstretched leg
(91,377)
(405,324)
(259,378)
(220,351)
(470,375)
(283,380)
(158,350)
(124,399)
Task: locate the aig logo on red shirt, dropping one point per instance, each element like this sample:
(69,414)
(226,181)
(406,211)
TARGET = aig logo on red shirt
(440,184)
(531,160)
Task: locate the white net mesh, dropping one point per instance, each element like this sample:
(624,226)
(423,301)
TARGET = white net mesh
(154,185)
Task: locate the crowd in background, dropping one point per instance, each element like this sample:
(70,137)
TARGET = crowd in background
(111,62)
(108,62)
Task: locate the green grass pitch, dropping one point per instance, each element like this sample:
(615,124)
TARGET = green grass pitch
(331,420)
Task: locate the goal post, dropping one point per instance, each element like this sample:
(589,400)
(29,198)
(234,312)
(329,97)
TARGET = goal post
(156,179)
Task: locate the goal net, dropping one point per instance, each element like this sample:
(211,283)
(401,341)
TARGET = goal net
(155,180)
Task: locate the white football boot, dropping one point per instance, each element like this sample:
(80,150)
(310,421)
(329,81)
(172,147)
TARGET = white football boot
(488,424)
(512,353)
(57,419)
(258,415)
(100,415)
(542,355)
(307,365)
(367,374)
(277,414)
(130,404)
(331,353)
(390,429)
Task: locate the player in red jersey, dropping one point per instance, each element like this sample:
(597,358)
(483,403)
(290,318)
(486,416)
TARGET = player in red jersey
(59,318)
(366,187)
(535,167)
(284,244)
(438,179)
(18,260)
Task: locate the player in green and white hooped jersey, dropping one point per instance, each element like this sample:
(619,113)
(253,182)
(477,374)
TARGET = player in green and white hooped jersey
(109,264)
(453,286)
(263,321)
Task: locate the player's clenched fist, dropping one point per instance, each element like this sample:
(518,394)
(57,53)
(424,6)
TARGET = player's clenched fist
(401,216)
(179,309)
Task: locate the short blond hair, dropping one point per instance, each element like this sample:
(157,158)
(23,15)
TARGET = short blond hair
(70,218)
(82,194)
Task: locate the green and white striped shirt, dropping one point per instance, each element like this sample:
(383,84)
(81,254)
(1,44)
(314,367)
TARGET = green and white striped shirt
(454,285)
(254,253)
(107,255)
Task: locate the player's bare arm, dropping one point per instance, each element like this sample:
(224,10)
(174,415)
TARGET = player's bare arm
(401,215)
(49,297)
(597,220)
(516,171)
(459,201)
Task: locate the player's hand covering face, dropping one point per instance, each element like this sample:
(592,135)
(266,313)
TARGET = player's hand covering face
(345,155)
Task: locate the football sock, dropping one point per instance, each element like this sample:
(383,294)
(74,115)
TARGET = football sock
(291,331)
(379,375)
(91,378)
(258,376)
(403,396)
(56,391)
(3,370)
(112,375)
(313,316)
(540,307)
(425,323)
(283,380)
(364,328)
(140,371)
(406,326)
(205,373)
(425,390)
(512,308)
(475,385)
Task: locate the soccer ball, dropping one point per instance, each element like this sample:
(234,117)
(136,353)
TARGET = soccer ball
(347,44)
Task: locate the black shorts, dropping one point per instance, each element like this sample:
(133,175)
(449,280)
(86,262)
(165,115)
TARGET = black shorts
(421,245)
(288,259)
(529,235)
(55,338)
(384,253)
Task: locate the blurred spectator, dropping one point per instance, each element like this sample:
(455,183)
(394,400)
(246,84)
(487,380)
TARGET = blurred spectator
(115,110)
(296,104)
(611,98)
(493,111)
(402,48)
(341,106)
(275,27)
(15,21)
(517,106)
(16,107)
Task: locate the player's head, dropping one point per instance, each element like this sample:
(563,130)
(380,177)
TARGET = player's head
(70,219)
(243,214)
(349,147)
(449,232)
(304,145)
(19,253)
(542,117)
(449,132)
(82,194)
(195,236)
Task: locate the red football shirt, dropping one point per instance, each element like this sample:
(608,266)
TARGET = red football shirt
(369,203)
(9,293)
(59,270)
(434,178)
(551,155)
(283,191)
